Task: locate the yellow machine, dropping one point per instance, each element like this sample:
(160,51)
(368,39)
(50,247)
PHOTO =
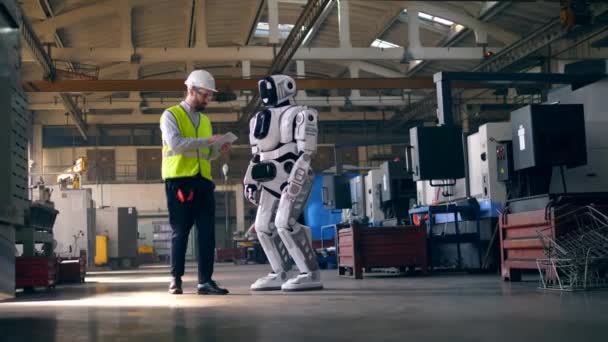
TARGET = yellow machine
(145,250)
(101,250)
(72,175)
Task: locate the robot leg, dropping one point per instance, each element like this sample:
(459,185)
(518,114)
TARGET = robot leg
(297,237)
(272,244)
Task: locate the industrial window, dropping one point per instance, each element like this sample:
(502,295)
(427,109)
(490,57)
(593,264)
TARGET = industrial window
(383,44)
(149,164)
(262,30)
(102,166)
(433,18)
(102,135)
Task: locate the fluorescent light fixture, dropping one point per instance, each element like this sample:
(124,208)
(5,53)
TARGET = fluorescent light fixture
(383,44)
(5,30)
(425,16)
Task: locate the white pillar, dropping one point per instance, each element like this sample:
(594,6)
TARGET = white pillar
(273,21)
(301,73)
(481,37)
(413,27)
(200,17)
(344,23)
(354,73)
(36,152)
(246,65)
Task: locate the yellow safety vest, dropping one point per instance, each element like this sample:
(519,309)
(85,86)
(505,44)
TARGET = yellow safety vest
(191,162)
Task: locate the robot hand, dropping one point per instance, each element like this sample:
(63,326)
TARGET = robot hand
(251,193)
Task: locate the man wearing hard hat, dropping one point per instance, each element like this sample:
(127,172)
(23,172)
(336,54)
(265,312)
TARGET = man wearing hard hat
(187,151)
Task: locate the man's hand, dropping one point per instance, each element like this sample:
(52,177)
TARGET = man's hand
(213,138)
(225,148)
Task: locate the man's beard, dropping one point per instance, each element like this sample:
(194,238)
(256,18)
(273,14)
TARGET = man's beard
(200,108)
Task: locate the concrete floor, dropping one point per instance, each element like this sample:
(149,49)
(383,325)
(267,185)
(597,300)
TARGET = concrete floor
(134,306)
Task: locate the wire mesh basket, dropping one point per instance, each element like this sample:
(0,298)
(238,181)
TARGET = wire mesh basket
(578,258)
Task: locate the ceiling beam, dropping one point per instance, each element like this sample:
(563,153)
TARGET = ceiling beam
(200,23)
(232,84)
(317,25)
(44,60)
(249,26)
(96,10)
(126,27)
(458,15)
(131,103)
(456,36)
(57,118)
(157,55)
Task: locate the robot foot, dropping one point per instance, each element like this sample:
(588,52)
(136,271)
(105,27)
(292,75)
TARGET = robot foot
(272,281)
(304,282)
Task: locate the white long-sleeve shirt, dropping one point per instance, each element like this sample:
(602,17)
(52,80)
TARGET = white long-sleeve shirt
(173,137)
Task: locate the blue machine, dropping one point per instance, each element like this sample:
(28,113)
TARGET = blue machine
(316,215)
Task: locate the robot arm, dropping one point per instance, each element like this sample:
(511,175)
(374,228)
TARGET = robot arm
(305,134)
(251,187)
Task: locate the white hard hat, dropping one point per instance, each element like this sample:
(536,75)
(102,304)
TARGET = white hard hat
(201,79)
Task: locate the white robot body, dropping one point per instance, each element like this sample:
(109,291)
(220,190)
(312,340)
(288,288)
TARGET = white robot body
(279,180)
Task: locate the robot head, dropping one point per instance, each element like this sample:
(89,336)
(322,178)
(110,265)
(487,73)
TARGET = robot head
(277,90)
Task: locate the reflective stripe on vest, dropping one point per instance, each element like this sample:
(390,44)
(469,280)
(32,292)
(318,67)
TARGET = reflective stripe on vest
(192,162)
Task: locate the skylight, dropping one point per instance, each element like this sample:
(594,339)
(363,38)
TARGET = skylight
(433,18)
(443,21)
(262,30)
(383,44)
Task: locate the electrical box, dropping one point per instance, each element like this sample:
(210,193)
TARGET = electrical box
(483,162)
(396,181)
(436,153)
(336,192)
(357,196)
(504,160)
(549,135)
(373,196)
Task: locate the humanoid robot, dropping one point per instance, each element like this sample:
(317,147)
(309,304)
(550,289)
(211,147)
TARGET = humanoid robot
(279,178)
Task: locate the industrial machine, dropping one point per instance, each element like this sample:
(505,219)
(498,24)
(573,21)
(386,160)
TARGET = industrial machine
(591,176)
(373,196)
(544,137)
(36,264)
(483,163)
(357,197)
(336,192)
(432,148)
(436,159)
(75,224)
(15,122)
(398,192)
(120,227)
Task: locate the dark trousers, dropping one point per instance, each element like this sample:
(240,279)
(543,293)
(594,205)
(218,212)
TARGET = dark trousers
(191,201)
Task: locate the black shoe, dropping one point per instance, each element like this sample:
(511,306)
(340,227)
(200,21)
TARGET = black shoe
(210,288)
(175,287)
